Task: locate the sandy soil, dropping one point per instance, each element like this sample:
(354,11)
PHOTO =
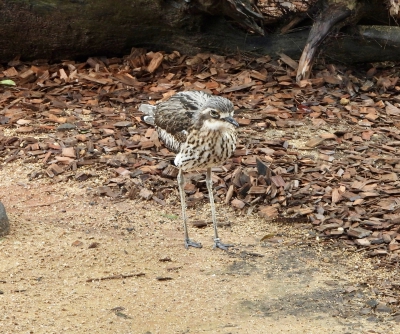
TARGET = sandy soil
(63,235)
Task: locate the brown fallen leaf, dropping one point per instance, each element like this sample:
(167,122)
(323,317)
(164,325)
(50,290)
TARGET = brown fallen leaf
(77,243)
(146,194)
(267,236)
(268,212)
(314,142)
(336,195)
(155,62)
(237,203)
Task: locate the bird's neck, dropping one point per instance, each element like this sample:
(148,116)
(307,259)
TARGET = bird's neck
(216,125)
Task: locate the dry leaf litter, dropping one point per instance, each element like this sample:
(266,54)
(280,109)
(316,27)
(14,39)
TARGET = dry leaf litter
(323,151)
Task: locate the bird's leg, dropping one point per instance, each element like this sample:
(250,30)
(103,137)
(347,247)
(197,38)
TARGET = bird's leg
(217,241)
(181,183)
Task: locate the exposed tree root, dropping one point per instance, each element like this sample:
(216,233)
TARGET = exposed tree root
(331,15)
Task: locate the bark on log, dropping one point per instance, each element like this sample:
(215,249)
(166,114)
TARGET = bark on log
(334,13)
(56,29)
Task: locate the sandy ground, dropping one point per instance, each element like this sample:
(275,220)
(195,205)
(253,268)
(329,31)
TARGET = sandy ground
(63,235)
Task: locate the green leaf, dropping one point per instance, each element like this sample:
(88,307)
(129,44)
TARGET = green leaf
(123,315)
(172,217)
(7,82)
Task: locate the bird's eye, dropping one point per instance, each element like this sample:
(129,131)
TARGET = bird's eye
(214,113)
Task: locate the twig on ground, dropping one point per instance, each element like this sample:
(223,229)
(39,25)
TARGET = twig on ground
(115,277)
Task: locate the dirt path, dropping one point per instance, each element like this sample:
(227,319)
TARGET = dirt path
(62,236)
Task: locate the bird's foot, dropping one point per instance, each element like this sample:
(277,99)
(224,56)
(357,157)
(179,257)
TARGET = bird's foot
(190,243)
(220,245)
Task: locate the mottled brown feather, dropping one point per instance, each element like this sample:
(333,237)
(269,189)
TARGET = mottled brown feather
(178,119)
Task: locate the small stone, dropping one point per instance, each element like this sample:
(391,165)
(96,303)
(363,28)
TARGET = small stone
(372,303)
(396,318)
(362,242)
(4,222)
(66,127)
(365,311)
(350,289)
(122,124)
(383,308)
(386,238)
(145,193)
(77,243)
(376,241)
(237,203)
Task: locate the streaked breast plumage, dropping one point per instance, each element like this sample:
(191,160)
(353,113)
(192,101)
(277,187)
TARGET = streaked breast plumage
(197,126)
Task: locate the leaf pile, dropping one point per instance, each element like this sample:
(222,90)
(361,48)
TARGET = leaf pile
(324,150)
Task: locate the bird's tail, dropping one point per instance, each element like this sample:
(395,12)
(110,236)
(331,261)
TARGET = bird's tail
(148,111)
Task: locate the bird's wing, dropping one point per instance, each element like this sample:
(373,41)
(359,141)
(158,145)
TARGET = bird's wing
(177,114)
(148,111)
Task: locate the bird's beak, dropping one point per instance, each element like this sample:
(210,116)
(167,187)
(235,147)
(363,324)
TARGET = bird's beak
(232,121)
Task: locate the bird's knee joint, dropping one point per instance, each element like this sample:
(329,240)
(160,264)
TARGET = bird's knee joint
(181,181)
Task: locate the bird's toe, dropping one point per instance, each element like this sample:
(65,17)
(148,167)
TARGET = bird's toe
(190,243)
(220,245)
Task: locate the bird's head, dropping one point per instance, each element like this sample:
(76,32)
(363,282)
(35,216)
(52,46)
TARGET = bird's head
(217,114)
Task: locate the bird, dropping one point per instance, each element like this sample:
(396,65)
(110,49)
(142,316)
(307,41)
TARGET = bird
(201,130)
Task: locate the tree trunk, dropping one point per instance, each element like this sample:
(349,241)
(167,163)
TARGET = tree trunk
(56,29)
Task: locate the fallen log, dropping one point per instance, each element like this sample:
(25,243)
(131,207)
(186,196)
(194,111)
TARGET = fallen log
(56,30)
